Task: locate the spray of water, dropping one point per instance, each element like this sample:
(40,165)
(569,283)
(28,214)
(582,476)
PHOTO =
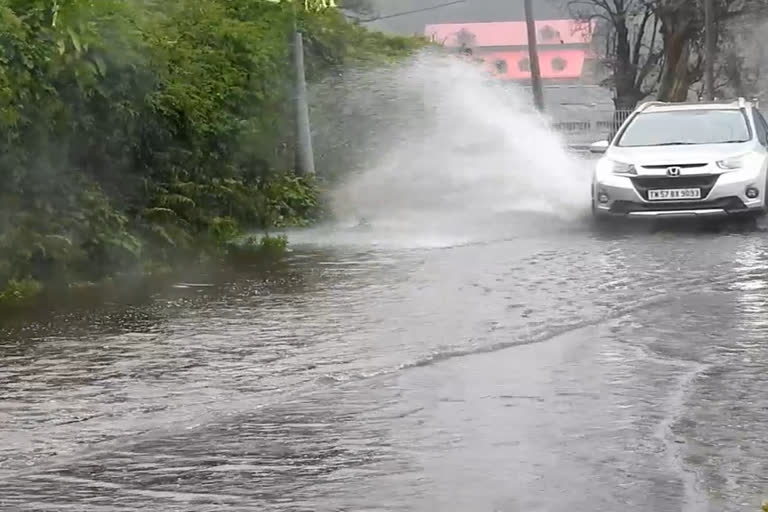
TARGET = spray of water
(441,150)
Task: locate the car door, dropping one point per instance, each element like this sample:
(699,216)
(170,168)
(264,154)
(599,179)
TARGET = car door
(762,128)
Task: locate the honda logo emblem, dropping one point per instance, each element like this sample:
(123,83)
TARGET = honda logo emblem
(673,171)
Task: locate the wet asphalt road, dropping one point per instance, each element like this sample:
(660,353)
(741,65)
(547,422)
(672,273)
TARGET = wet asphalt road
(539,369)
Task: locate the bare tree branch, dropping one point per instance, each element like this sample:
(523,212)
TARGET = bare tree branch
(639,38)
(628,56)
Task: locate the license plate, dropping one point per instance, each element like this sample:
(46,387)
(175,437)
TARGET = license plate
(674,193)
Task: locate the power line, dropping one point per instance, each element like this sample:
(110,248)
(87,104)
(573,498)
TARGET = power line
(415,11)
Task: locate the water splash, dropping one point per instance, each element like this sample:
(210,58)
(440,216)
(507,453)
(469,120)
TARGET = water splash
(441,148)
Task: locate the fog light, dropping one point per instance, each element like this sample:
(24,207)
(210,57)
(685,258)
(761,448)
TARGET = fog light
(752,192)
(602,198)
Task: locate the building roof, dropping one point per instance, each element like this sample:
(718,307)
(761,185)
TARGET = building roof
(510,33)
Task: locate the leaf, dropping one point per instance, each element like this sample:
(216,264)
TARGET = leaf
(160,214)
(175,201)
(162,234)
(101,66)
(75,40)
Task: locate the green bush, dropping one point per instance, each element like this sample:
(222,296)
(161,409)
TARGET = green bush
(256,248)
(136,133)
(19,292)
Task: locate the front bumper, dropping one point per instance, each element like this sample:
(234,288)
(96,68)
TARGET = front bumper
(722,195)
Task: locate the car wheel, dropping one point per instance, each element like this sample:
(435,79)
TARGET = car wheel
(764,209)
(593,201)
(760,217)
(599,219)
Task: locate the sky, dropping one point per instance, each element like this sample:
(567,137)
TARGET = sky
(468,11)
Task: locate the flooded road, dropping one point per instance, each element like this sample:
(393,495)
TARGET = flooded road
(548,367)
(450,355)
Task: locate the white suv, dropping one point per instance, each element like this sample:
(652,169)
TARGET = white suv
(684,159)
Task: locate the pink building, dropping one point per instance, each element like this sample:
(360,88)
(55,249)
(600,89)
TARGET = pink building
(564,47)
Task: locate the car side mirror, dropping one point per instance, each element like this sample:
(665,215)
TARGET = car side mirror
(600,146)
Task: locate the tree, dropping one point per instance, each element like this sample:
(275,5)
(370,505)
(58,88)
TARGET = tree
(137,134)
(682,28)
(632,52)
(741,56)
(655,45)
(681,23)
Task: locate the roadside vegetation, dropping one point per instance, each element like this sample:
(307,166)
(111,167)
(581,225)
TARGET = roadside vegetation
(137,136)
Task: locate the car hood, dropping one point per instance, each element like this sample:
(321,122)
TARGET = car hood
(675,155)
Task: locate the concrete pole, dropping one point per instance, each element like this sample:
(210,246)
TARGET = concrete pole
(305,157)
(533,57)
(709,49)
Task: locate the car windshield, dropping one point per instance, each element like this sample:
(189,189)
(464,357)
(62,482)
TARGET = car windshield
(682,127)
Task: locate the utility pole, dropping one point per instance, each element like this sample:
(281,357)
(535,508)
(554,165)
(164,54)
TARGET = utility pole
(305,157)
(709,49)
(533,57)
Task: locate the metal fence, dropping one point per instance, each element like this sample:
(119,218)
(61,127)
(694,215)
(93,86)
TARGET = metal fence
(588,126)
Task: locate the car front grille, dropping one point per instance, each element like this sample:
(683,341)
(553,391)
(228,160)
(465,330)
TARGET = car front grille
(667,166)
(704,182)
(730,204)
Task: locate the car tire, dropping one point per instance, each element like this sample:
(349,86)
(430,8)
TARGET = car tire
(760,217)
(764,210)
(599,219)
(760,214)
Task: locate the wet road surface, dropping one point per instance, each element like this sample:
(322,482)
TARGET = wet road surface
(547,368)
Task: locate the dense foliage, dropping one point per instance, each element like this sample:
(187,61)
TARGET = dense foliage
(147,131)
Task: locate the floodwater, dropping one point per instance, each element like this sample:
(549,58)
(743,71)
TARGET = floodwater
(475,345)
(557,369)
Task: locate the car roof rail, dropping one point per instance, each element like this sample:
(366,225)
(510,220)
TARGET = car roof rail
(647,104)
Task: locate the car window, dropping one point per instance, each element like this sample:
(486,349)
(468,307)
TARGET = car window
(686,127)
(761,126)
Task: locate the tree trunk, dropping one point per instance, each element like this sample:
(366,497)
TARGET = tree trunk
(733,70)
(674,79)
(677,27)
(624,76)
(623,70)
(623,105)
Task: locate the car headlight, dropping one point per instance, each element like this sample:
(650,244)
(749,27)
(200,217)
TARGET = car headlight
(623,168)
(731,163)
